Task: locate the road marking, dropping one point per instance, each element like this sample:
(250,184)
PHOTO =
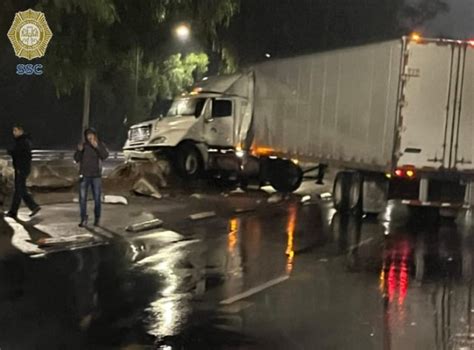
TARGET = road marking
(254,290)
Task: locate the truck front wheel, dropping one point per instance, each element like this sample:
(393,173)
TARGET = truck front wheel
(189,161)
(285,176)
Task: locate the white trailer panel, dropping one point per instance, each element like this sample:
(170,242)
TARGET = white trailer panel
(428,105)
(465,131)
(337,106)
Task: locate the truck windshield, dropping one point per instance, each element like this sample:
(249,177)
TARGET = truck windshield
(187,107)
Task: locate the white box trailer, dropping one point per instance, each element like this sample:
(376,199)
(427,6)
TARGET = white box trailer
(396,116)
(336,107)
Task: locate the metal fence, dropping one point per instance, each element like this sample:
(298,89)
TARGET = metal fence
(49,155)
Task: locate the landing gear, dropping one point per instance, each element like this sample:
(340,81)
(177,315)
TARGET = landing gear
(321,173)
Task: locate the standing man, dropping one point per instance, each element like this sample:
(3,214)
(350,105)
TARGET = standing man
(90,155)
(21,156)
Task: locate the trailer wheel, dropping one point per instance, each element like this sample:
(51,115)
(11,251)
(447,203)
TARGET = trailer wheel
(347,191)
(374,194)
(355,195)
(189,161)
(285,176)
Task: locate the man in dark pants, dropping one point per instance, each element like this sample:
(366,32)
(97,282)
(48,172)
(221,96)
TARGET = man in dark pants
(21,156)
(90,155)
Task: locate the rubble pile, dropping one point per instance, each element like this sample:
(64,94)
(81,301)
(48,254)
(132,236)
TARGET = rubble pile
(6,179)
(143,178)
(50,176)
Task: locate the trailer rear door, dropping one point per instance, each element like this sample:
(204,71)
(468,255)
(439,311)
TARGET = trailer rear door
(429,87)
(463,147)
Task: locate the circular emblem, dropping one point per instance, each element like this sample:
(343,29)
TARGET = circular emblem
(30,34)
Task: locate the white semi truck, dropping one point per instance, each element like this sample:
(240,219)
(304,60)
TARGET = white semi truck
(397,117)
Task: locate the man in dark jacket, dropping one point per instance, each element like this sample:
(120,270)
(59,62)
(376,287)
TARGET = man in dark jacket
(90,155)
(21,156)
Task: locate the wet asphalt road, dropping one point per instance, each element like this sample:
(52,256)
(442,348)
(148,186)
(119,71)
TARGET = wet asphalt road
(287,276)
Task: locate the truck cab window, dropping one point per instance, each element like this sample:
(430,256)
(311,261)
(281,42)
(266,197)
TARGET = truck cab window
(221,108)
(186,107)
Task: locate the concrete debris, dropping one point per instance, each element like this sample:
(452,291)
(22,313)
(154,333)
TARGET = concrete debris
(45,177)
(305,199)
(275,198)
(143,178)
(146,186)
(6,179)
(134,171)
(111,199)
(197,196)
(144,226)
(203,215)
(326,195)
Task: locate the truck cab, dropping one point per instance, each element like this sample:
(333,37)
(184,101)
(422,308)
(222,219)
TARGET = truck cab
(203,118)
(212,119)
(211,130)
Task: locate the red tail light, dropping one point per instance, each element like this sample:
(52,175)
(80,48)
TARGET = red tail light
(407,172)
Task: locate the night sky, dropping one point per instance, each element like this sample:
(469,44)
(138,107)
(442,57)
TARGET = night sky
(284,28)
(457,23)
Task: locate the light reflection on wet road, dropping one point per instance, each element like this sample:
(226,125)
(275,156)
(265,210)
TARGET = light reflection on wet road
(403,282)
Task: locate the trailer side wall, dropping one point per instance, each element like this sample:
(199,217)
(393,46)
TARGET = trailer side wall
(335,107)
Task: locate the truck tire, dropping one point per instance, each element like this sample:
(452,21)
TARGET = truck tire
(285,176)
(347,191)
(374,194)
(189,161)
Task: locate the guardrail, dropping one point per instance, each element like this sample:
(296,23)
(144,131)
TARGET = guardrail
(48,155)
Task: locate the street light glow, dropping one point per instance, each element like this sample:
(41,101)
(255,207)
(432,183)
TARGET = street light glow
(183,32)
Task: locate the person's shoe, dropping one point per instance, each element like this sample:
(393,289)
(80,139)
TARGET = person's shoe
(97,222)
(35,211)
(83,223)
(9,214)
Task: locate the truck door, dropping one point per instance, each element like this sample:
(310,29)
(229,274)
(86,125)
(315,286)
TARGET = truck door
(427,104)
(219,126)
(463,146)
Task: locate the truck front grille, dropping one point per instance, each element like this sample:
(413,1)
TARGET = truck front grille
(140,134)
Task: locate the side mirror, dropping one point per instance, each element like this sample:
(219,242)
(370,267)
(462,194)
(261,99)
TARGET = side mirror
(207,112)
